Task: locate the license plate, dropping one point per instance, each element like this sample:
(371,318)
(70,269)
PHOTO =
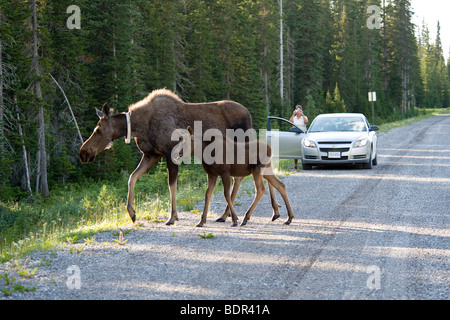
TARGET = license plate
(334,155)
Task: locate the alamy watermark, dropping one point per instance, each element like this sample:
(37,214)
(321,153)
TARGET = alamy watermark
(236,147)
(74,20)
(374,280)
(73,277)
(374,21)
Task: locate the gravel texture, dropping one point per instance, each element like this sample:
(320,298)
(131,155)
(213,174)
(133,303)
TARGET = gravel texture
(357,234)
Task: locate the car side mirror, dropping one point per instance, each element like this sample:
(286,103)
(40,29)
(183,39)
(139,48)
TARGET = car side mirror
(374,128)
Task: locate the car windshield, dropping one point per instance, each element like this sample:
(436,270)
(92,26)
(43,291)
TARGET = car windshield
(340,124)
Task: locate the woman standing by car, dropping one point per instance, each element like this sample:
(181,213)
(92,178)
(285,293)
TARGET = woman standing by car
(300,120)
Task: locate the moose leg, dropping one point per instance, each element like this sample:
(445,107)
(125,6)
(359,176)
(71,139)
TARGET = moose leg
(280,186)
(226,180)
(211,185)
(147,162)
(274,202)
(236,186)
(172,170)
(260,190)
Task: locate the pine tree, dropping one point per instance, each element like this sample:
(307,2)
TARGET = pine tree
(309,39)
(441,70)
(334,103)
(328,29)
(433,71)
(108,36)
(163,42)
(329,103)
(447,89)
(355,52)
(371,64)
(199,81)
(15,66)
(268,49)
(2,131)
(338,102)
(38,92)
(402,54)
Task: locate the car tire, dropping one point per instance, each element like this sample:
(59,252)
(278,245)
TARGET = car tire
(375,160)
(368,165)
(307,166)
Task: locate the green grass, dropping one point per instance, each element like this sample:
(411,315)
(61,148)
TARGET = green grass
(81,211)
(206,236)
(44,224)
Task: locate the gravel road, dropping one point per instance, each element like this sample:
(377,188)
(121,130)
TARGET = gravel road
(357,234)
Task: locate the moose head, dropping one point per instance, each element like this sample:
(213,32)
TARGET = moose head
(102,137)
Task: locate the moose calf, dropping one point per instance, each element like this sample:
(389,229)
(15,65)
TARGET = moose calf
(226,170)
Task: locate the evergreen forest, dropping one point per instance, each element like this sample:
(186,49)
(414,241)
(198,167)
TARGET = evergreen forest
(61,59)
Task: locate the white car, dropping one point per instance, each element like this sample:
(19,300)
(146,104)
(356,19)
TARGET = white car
(332,139)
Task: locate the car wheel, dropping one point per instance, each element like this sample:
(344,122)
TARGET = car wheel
(306,166)
(369,164)
(375,160)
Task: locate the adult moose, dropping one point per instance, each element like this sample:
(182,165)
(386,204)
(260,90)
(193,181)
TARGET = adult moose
(151,122)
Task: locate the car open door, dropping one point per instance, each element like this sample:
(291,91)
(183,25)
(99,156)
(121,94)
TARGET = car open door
(285,138)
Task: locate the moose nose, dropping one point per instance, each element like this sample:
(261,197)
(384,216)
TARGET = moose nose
(85,157)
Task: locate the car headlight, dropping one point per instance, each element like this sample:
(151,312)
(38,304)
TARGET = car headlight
(308,143)
(361,143)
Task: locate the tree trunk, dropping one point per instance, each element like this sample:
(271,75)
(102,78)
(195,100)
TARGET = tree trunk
(41,120)
(24,149)
(385,55)
(2,138)
(70,109)
(281,55)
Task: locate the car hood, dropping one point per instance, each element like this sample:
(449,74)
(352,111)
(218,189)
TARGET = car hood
(336,136)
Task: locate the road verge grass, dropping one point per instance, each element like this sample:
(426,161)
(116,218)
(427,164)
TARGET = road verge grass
(84,210)
(420,114)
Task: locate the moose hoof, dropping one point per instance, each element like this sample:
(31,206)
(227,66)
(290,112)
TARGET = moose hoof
(243,223)
(220,220)
(169,223)
(200,225)
(234,224)
(275,217)
(287,223)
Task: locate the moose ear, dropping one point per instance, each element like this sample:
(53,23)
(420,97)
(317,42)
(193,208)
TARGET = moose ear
(105,110)
(99,113)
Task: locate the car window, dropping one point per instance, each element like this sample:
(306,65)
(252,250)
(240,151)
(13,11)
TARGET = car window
(338,124)
(279,124)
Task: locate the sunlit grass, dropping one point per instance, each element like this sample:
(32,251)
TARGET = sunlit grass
(83,211)
(47,224)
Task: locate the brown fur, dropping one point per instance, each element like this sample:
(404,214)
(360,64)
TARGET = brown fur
(259,170)
(153,120)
